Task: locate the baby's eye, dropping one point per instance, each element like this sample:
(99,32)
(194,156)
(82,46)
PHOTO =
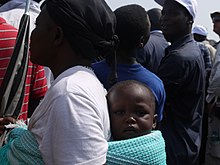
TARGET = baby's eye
(119,112)
(141,113)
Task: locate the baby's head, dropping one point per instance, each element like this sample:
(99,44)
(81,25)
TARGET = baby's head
(131,109)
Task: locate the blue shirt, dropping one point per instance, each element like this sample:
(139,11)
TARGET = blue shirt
(134,72)
(206,55)
(154,50)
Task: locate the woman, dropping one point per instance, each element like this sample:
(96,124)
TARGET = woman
(71,124)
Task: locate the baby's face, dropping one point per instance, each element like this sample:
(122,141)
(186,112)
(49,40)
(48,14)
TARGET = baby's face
(131,113)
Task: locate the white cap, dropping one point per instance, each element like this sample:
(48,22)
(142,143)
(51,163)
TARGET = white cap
(190,5)
(199,29)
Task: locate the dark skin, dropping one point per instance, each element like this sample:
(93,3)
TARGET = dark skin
(33,103)
(131,110)
(51,48)
(5,121)
(154,16)
(199,37)
(176,22)
(216,26)
(127,56)
(56,49)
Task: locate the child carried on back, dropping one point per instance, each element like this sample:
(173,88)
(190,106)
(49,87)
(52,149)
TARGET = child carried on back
(132,117)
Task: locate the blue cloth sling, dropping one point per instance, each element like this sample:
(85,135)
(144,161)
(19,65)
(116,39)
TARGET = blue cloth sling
(21,148)
(144,150)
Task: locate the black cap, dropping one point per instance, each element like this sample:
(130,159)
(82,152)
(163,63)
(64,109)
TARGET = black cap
(215,16)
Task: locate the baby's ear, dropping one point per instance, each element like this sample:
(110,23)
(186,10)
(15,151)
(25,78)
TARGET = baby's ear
(154,121)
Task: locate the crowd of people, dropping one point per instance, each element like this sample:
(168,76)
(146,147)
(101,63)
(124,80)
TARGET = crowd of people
(128,86)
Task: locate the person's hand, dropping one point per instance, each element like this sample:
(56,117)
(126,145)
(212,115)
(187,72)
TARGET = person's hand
(4,121)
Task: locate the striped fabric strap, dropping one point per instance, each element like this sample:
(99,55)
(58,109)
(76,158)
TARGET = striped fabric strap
(13,85)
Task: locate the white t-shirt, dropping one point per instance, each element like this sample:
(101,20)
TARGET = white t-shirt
(71,124)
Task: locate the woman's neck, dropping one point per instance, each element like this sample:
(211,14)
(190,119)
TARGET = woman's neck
(62,66)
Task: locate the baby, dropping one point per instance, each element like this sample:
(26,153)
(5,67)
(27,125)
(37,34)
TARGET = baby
(131,110)
(132,116)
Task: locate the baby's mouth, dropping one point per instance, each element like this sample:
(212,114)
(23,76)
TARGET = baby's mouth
(130,129)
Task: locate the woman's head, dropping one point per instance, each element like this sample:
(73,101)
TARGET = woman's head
(87,26)
(131,110)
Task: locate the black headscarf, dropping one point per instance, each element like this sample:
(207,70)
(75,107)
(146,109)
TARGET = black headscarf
(88,25)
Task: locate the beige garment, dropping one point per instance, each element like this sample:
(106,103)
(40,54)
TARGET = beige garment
(214,86)
(212,50)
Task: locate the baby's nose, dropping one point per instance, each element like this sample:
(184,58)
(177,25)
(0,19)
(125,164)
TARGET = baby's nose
(131,120)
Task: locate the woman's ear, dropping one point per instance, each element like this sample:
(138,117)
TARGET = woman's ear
(154,121)
(58,36)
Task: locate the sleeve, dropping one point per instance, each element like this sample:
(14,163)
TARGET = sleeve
(214,87)
(206,56)
(74,133)
(173,73)
(161,103)
(38,83)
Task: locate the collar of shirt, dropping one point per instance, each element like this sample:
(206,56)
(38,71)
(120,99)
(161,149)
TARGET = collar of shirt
(182,41)
(156,31)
